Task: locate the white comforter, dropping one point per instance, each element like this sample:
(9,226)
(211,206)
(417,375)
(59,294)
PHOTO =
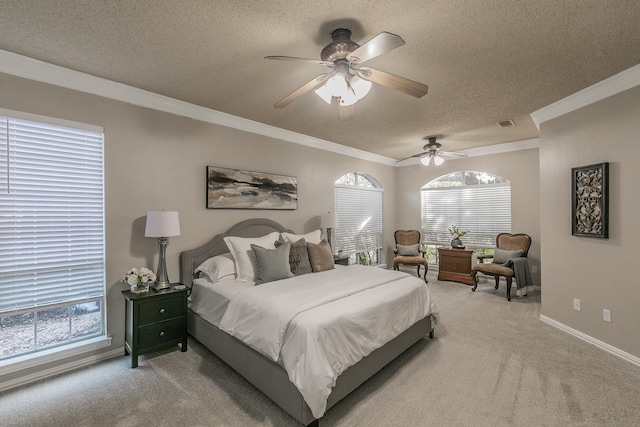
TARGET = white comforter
(317,325)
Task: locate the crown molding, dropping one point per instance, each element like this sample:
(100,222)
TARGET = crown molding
(615,84)
(33,69)
(506,147)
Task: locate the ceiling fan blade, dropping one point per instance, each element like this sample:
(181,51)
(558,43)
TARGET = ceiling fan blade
(415,155)
(306,60)
(345,113)
(378,45)
(312,84)
(398,83)
(451,155)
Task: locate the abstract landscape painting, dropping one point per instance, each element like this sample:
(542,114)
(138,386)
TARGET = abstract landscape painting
(239,189)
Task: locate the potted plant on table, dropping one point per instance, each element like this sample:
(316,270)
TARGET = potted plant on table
(139,279)
(456,233)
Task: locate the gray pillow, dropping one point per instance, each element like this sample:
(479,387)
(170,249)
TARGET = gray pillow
(500,256)
(298,257)
(320,256)
(408,250)
(272,264)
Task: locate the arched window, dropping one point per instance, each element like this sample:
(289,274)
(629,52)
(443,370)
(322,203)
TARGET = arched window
(358,205)
(476,202)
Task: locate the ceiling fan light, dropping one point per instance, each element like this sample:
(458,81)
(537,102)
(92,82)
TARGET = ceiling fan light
(360,86)
(438,160)
(426,160)
(337,85)
(348,98)
(325,93)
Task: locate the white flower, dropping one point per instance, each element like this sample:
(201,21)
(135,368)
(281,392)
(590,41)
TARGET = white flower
(139,276)
(456,233)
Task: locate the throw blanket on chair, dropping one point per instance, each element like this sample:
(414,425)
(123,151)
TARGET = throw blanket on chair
(522,274)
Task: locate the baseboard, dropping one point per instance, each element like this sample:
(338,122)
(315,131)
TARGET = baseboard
(40,375)
(600,344)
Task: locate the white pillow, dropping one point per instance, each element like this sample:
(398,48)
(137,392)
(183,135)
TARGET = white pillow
(217,267)
(311,237)
(240,248)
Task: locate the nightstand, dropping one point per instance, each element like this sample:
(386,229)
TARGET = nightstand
(455,264)
(341,260)
(155,320)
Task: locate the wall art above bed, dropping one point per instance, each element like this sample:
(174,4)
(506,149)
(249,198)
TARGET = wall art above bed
(590,201)
(240,189)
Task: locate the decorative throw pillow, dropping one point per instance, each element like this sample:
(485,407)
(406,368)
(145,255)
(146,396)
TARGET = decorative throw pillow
(311,237)
(320,256)
(272,264)
(217,267)
(240,248)
(408,250)
(298,257)
(500,256)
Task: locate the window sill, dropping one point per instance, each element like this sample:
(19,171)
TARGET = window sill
(40,358)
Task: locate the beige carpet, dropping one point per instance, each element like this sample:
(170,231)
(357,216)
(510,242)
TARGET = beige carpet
(492,363)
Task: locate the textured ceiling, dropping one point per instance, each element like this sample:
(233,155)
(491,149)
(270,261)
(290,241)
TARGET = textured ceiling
(484,61)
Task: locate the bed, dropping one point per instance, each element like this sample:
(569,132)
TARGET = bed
(268,374)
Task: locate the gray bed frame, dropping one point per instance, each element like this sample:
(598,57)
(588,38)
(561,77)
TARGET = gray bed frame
(267,376)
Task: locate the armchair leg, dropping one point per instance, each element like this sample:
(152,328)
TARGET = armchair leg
(395,266)
(509,288)
(426,268)
(497,281)
(474,280)
(418,270)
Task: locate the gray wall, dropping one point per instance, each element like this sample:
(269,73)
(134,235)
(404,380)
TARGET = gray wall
(157,161)
(601,273)
(520,167)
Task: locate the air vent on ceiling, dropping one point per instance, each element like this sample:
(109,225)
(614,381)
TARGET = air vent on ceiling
(507,123)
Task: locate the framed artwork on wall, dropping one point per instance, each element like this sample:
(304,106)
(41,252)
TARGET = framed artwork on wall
(590,201)
(240,189)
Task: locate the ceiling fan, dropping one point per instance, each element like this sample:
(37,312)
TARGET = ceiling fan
(348,81)
(432,154)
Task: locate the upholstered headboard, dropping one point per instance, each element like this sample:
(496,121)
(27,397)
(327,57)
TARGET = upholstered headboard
(191,259)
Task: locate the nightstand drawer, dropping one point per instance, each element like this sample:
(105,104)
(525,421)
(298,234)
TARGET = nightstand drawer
(162,332)
(157,311)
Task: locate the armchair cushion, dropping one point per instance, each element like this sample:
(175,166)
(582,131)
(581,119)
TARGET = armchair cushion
(500,256)
(408,250)
(494,269)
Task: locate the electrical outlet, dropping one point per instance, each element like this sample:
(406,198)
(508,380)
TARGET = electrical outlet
(606,315)
(534,269)
(577,306)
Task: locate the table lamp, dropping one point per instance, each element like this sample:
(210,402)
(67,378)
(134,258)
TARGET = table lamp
(329,220)
(162,225)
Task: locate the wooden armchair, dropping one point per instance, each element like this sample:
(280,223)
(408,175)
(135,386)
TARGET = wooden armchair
(511,246)
(408,251)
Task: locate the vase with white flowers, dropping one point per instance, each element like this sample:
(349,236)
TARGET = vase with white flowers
(139,279)
(456,233)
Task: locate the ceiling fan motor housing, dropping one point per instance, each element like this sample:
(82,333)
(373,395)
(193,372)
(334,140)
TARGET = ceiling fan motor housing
(340,47)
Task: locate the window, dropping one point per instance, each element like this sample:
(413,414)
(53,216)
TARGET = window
(358,205)
(477,202)
(52,273)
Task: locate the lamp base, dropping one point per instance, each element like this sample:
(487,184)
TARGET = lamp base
(161,285)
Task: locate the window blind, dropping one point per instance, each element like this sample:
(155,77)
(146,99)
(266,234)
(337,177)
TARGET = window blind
(482,210)
(359,212)
(51,214)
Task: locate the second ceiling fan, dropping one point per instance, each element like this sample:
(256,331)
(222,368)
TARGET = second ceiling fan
(432,154)
(348,81)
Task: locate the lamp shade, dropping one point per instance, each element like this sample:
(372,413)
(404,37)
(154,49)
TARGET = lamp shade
(162,224)
(328,220)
